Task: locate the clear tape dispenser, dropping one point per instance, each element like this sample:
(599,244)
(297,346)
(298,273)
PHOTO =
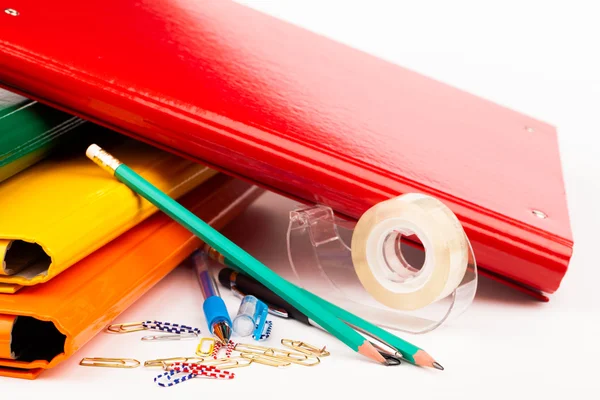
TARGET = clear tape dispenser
(407,263)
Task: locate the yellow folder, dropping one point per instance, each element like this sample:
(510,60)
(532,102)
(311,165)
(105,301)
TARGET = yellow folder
(64,208)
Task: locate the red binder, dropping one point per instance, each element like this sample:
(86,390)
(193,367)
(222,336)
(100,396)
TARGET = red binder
(301,115)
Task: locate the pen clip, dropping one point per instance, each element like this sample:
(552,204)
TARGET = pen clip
(260,316)
(273,310)
(390,359)
(278,312)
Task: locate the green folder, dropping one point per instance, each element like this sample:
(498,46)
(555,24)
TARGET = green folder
(29,131)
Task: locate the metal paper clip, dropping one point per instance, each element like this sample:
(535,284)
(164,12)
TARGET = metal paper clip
(305,348)
(244,363)
(207,353)
(306,361)
(109,362)
(163,362)
(194,360)
(126,327)
(286,353)
(172,378)
(228,363)
(218,362)
(294,357)
(266,360)
(251,348)
(194,370)
(178,336)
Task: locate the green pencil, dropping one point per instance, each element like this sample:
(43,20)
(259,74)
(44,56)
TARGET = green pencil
(245,262)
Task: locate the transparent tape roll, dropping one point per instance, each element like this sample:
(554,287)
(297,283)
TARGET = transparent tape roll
(407,263)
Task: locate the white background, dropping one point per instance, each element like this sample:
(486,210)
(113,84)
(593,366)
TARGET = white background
(540,58)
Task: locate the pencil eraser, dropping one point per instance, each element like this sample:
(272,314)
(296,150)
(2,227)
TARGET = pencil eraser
(92,151)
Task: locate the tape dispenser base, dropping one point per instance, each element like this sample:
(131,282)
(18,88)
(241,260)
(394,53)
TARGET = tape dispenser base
(397,275)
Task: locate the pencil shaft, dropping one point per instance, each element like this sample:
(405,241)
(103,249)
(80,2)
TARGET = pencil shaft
(244,261)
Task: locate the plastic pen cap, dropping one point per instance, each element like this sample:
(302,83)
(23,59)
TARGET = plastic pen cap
(244,322)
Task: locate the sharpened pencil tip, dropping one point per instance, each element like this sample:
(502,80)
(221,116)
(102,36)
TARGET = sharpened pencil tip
(425,360)
(367,349)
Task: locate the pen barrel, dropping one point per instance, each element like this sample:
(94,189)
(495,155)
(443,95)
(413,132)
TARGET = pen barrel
(214,307)
(207,284)
(215,311)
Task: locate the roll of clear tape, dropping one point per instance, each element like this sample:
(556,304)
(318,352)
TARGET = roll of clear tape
(382,269)
(406,264)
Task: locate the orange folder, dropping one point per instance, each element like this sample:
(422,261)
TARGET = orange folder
(42,325)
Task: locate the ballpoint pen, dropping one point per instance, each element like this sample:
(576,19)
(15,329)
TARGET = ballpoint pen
(244,261)
(247,286)
(214,307)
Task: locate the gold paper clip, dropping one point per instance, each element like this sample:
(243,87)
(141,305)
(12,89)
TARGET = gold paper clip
(217,362)
(305,348)
(109,362)
(178,336)
(286,353)
(293,357)
(244,363)
(228,363)
(266,360)
(305,362)
(126,327)
(194,360)
(207,353)
(251,348)
(222,363)
(163,362)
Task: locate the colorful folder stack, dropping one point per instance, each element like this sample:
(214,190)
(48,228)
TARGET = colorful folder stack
(267,102)
(76,246)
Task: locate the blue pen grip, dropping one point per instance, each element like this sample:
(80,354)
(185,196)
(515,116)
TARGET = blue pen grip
(215,311)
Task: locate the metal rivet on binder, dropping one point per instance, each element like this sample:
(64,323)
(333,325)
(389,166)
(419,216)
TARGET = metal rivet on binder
(539,214)
(11,11)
